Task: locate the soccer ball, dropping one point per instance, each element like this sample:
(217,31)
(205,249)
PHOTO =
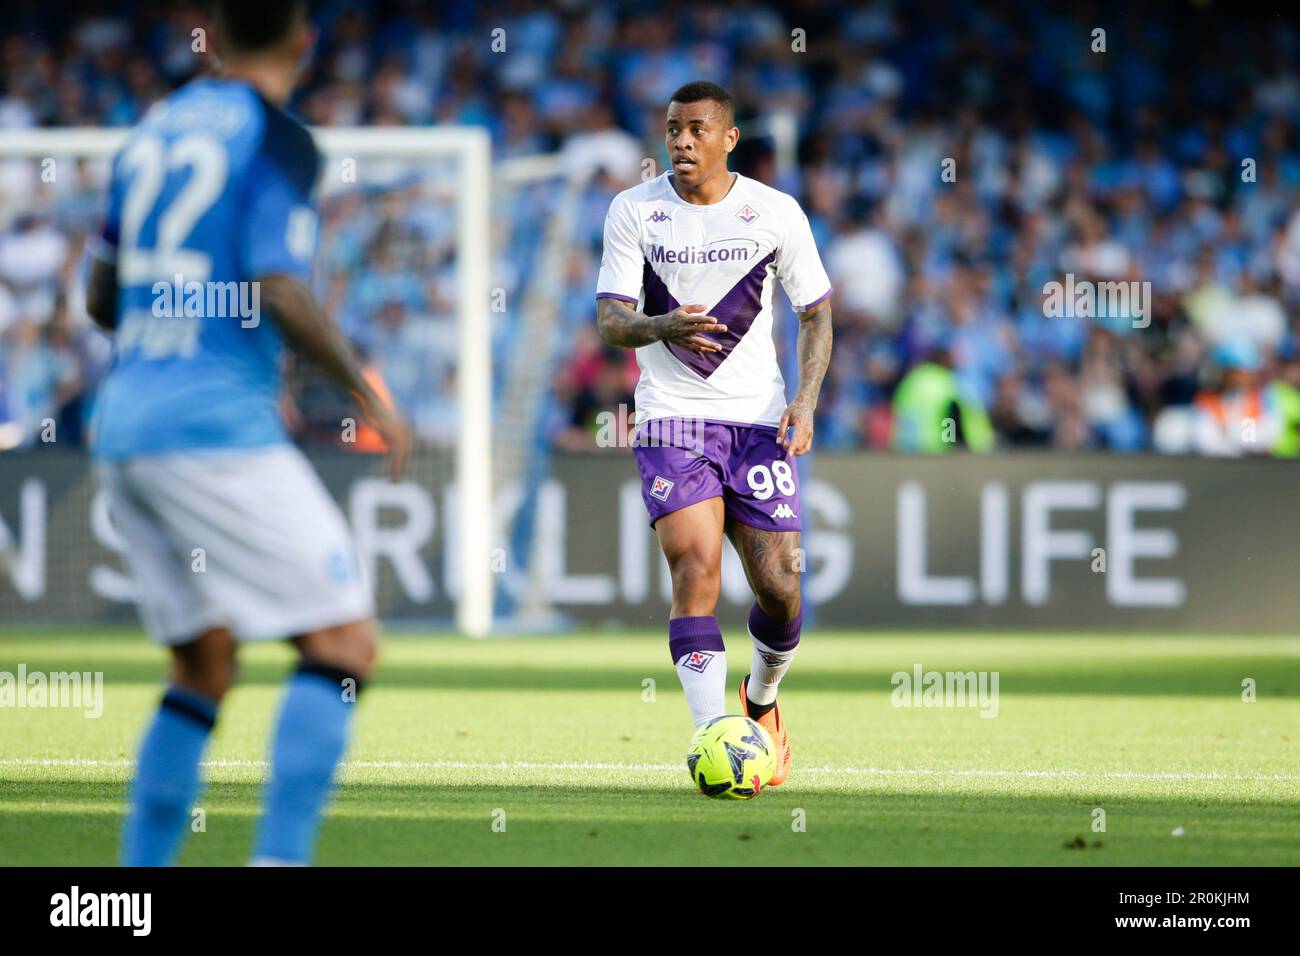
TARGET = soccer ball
(731,757)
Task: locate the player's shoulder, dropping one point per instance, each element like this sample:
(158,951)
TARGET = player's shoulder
(760,195)
(248,124)
(289,145)
(218,109)
(651,190)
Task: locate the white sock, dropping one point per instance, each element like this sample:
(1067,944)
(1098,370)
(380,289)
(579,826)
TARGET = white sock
(704,679)
(766,672)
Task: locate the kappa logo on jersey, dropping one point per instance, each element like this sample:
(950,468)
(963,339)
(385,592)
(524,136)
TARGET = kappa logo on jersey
(747,215)
(660,488)
(698,660)
(659,216)
(783,511)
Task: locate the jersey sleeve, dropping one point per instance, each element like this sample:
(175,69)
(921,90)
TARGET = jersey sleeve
(280,226)
(799,267)
(103,246)
(622,263)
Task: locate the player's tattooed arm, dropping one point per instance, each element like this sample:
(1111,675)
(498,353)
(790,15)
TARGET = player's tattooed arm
(101,294)
(312,334)
(620,324)
(795,433)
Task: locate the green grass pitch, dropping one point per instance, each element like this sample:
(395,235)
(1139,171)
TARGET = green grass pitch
(561,740)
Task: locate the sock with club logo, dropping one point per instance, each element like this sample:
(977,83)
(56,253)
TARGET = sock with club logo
(774,645)
(695,644)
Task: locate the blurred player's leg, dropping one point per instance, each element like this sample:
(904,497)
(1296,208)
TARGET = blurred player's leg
(279,562)
(692,542)
(311,736)
(173,609)
(775,625)
(167,779)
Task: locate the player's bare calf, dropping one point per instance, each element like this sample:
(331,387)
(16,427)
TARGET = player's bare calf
(206,664)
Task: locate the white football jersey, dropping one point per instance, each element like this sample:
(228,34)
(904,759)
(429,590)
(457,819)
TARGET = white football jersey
(662,252)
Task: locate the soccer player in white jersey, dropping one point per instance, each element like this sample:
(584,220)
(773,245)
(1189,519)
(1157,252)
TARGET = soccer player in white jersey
(214,191)
(687,279)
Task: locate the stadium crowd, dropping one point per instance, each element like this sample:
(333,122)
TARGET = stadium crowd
(953,163)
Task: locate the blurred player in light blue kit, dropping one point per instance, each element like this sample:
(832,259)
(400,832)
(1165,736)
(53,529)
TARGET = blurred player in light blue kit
(230,536)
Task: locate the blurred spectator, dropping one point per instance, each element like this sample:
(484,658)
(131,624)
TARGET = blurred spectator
(1164,161)
(1244,414)
(933,412)
(598,387)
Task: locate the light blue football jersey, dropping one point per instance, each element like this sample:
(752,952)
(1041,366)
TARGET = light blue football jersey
(213,189)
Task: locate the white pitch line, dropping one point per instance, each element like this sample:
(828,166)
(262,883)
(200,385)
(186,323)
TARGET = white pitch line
(674,768)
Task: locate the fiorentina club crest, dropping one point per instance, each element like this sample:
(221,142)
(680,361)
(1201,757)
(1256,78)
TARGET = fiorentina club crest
(660,488)
(698,660)
(747,215)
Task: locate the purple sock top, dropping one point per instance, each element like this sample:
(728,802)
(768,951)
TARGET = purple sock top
(778,635)
(686,634)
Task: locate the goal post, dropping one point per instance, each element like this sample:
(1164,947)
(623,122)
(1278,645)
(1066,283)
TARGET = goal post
(470,149)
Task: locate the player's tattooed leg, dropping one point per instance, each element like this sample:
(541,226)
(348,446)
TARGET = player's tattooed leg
(775,625)
(770,559)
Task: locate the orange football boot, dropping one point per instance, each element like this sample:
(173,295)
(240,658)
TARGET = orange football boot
(775,727)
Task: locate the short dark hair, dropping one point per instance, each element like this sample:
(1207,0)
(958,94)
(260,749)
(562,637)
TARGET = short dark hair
(252,25)
(704,90)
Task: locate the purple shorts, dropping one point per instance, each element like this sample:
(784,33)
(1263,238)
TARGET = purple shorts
(683,462)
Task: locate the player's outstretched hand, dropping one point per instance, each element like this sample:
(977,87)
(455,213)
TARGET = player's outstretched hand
(795,433)
(684,325)
(395,432)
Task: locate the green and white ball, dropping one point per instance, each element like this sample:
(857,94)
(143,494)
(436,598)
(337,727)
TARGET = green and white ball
(731,757)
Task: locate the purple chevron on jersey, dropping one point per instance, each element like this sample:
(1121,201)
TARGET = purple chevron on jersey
(658,300)
(736,310)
